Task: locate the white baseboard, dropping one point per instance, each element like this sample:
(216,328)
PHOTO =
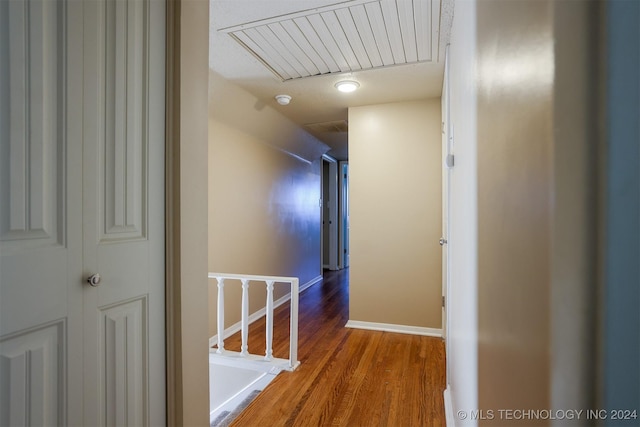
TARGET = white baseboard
(450,420)
(389,327)
(258,314)
(311,283)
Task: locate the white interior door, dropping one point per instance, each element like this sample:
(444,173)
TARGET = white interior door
(40,213)
(123,201)
(82,192)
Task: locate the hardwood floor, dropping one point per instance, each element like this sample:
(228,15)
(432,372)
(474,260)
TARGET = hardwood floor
(348,377)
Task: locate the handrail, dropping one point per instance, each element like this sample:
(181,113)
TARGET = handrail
(290,364)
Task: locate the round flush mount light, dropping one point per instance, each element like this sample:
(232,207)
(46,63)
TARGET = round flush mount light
(347,86)
(283,99)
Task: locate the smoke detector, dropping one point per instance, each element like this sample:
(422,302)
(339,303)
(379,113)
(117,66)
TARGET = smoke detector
(283,99)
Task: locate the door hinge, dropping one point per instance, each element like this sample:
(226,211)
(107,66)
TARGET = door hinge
(442,300)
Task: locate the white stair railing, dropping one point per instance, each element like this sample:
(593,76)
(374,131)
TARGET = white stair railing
(245,279)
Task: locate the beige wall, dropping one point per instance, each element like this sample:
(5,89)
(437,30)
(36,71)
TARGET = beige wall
(515,129)
(574,241)
(264,215)
(536,224)
(523,85)
(396,214)
(187,67)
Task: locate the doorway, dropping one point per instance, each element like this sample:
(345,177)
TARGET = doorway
(343,235)
(329,213)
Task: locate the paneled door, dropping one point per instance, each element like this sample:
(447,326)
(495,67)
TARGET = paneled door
(40,214)
(82,212)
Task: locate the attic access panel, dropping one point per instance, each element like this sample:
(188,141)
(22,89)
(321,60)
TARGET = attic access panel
(345,37)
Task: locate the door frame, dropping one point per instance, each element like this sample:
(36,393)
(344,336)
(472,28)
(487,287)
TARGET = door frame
(186,212)
(343,195)
(447,164)
(333,213)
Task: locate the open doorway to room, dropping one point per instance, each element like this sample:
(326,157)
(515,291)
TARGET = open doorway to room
(329,205)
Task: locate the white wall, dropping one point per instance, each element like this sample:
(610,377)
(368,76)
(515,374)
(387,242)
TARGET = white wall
(462,333)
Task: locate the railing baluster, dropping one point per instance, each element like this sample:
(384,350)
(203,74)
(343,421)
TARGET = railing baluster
(269,345)
(293,327)
(220,349)
(245,318)
(270,281)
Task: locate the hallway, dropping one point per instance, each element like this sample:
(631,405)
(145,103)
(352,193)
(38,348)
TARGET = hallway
(347,377)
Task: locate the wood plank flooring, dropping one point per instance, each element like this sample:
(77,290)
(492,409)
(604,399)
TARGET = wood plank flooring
(348,377)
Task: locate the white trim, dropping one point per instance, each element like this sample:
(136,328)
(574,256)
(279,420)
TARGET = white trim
(258,314)
(311,283)
(450,420)
(389,327)
(253,361)
(447,150)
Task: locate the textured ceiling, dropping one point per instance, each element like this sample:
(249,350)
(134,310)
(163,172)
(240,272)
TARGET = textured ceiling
(393,48)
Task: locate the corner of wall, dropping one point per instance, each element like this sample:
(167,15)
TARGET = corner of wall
(462,332)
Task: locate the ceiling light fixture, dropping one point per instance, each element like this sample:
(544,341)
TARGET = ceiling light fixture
(347,86)
(283,99)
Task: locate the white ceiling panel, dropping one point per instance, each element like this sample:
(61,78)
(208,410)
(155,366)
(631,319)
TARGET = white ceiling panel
(277,49)
(422,19)
(335,29)
(374,13)
(319,28)
(363,26)
(301,41)
(392,24)
(349,28)
(345,37)
(291,46)
(319,47)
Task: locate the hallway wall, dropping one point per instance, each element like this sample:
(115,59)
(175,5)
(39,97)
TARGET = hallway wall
(264,216)
(396,214)
(523,281)
(462,357)
(515,164)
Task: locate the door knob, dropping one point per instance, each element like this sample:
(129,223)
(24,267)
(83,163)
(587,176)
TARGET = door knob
(442,241)
(94,280)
